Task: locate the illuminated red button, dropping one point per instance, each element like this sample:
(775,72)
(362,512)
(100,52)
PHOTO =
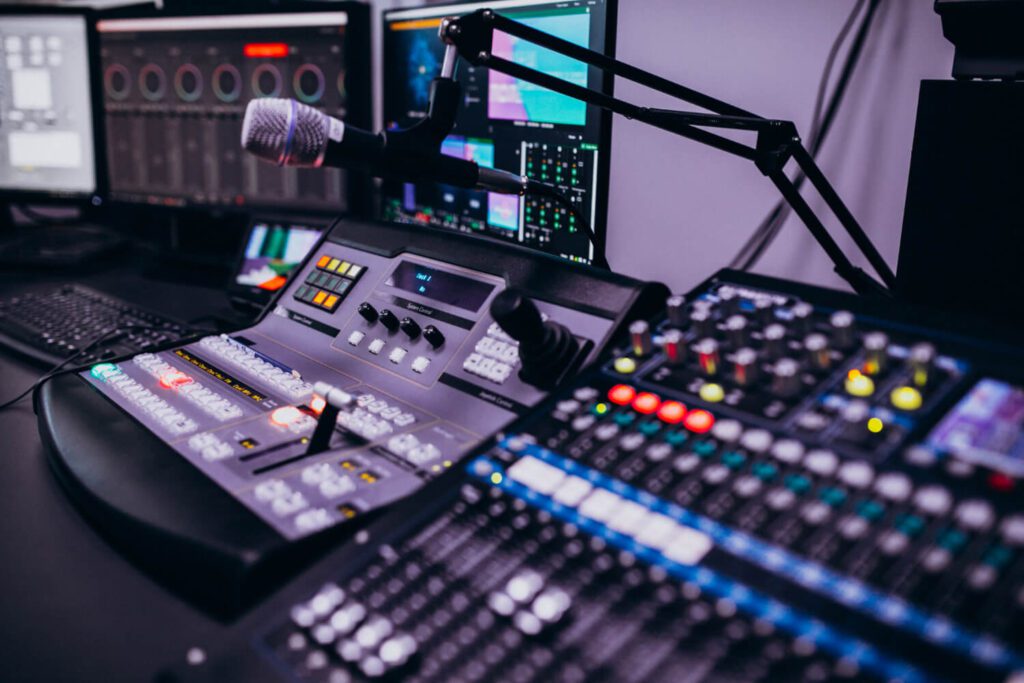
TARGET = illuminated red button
(317,404)
(672,412)
(621,394)
(285,415)
(1000,482)
(646,403)
(173,379)
(699,421)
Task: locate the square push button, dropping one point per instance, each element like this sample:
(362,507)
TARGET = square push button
(319,297)
(341,286)
(333,265)
(331,302)
(324,260)
(354,271)
(343,268)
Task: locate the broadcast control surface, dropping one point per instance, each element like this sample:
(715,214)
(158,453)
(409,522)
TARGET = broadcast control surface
(394,319)
(768,483)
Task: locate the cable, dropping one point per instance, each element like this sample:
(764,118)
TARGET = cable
(770,227)
(37,218)
(544,190)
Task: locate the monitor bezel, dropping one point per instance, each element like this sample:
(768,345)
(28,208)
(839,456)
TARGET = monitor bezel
(359,108)
(600,222)
(97,196)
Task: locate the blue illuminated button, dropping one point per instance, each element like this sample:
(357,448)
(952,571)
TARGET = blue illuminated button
(798,483)
(733,460)
(103,370)
(676,438)
(765,471)
(832,496)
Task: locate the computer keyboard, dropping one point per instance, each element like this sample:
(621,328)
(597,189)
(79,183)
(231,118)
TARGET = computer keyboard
(55,324)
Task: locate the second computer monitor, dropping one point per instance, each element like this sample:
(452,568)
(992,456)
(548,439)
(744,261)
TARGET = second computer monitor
(175,91)
(508,124)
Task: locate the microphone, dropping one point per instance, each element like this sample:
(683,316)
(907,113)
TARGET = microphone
(289,133)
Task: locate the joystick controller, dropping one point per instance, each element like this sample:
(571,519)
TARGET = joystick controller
(547,350)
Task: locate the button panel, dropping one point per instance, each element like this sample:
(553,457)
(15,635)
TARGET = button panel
(327,285)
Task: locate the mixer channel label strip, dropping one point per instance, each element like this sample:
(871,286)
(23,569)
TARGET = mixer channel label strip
(984,650)
(681,561)
(221,376)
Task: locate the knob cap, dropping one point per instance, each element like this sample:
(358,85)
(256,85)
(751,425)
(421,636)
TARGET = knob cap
(389,319)
(672,345)
(410,327)
(818,354)
(707,356)
(921,358)
(675,309)
(744,366)
(876,352)
(368,312)
(735,327)
(433,336)
(775,340)
(787,377)
(842,328)
(640,337)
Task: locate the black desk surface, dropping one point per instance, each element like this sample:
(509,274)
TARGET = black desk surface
(71,607)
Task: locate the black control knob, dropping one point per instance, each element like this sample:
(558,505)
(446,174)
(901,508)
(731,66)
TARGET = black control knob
(368,312)
(433,336)
(389,319)
(547,350)
(410,327)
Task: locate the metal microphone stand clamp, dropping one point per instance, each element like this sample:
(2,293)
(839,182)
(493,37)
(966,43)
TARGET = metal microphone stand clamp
(777,141)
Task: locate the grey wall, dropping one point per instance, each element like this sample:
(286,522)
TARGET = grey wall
(679,211)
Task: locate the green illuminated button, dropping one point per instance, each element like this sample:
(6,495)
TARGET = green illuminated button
(910,525)
(733,460)
(952,540)
(870,509)
(649,428)
(765,471)
(704,448)
(832,496)
(677,438)
(103,370)
(997,556)
(798,483)
(625,365)
(624,419)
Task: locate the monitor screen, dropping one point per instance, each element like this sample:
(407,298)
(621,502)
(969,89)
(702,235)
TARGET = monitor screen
(272,251)
(506,123)
(46,108)
(175,91)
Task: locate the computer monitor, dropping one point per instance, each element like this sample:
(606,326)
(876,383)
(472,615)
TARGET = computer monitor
(507,123)
(47,145)
(175,88)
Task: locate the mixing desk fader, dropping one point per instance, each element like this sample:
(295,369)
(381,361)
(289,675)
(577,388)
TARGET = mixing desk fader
(401,342)
(769,483)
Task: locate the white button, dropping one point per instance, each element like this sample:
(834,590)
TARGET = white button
(404,420)
(420,364)
(857,474)
(788,451)
(536,474)
(975,515)
(629,519)
(727,431)
(658,530)
(400,445)
(472,363)
(572,490)
(356,338)
(1012,530)
(397,355)
(314,519)
(821,462)
(499,372)
(314,474)
(338,486)
(423,453)
(376,346)
(688,546)
(893,486)
(933,500)
(271,489)
(600,505)
(756,440)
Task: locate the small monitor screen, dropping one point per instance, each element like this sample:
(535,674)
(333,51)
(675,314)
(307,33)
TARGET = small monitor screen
(272,251)
(986,427)
(46,126)
(439,285)
(506,123)
(175,91)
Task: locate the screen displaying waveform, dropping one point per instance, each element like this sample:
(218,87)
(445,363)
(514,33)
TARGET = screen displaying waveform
(513,99)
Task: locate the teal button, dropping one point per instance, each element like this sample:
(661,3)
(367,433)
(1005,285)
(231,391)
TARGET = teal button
(677,438)
(624,419)
(765,471)
(952,540)
(733,460)
(704,448)
(911,525)
(870,510)
(997,556)
(832,496)
(798,483)
(649,428)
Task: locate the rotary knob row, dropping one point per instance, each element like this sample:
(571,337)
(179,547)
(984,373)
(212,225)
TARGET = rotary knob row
(407,325)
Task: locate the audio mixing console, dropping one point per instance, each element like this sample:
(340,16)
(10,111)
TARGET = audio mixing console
(205,459)
(769,483)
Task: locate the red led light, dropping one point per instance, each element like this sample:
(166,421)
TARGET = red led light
(699,421)
(672,412)
(317,404)
(646,403)
(621,394)
(173,379)
(265,50)
(1000,482)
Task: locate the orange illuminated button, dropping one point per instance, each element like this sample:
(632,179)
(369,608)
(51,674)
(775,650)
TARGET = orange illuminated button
(319,298)
(285,415)
(331,302)
(621,394)
(699,421)
(672,412)
(324,260)
(646,403)
(317,404)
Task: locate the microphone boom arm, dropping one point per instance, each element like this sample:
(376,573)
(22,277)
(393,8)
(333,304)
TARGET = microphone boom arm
(777,140)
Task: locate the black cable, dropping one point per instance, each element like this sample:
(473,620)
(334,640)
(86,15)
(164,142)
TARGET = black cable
(770,227)
(551,192)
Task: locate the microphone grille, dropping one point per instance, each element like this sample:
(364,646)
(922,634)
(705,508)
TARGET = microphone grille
(285,132)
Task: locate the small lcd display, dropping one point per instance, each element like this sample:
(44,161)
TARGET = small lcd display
(986,427)
(439,285)
(272,252)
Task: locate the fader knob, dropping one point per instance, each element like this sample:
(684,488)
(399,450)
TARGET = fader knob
(786,380)
(433,336)
(368,312)
(389,319)
(876,352)
(921,359)
(764,310)
(640,338)
(675,309)
(701,322)
(672,345)
(842,324)
(736,330)
(744,366)
(801,313)
(818,354)
(707,356)
(775,340)
(728,299)
(410,327)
